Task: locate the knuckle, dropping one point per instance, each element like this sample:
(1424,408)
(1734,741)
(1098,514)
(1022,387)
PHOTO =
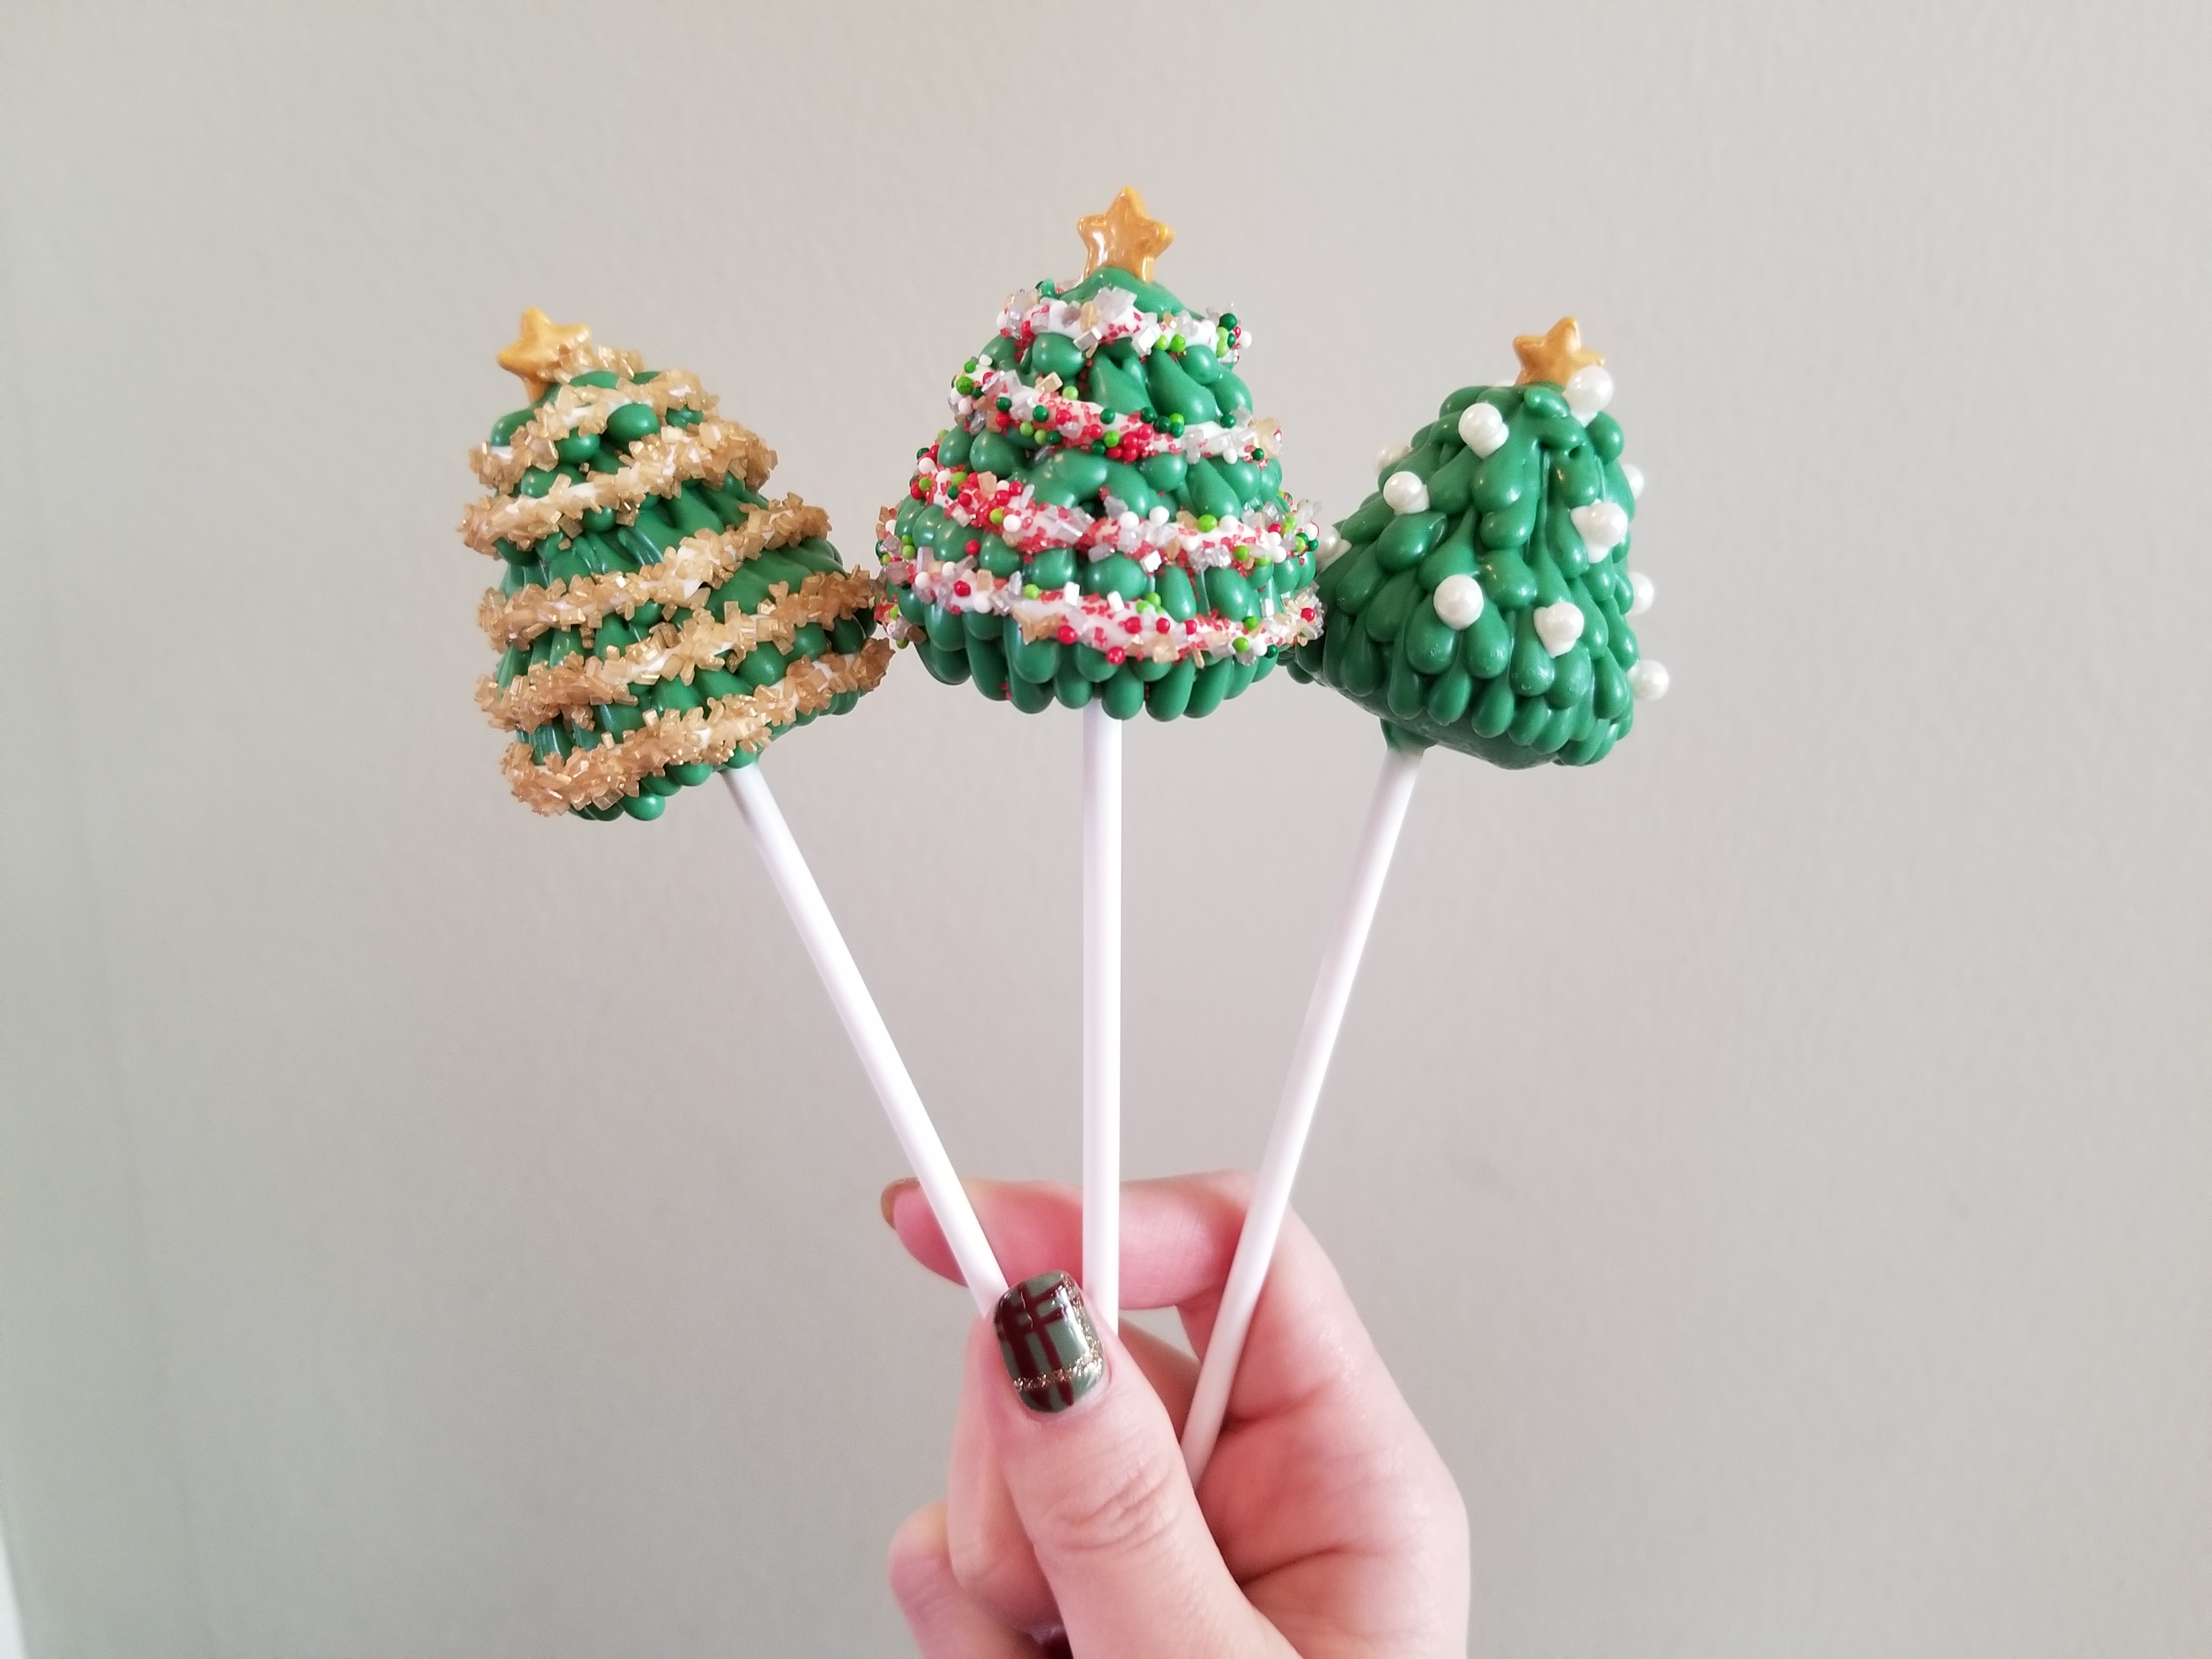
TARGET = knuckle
(916,1565)
(986,1564)
(1128,1506)
(996,1570)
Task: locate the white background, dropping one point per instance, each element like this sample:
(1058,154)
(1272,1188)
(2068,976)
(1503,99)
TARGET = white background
(1774,1162)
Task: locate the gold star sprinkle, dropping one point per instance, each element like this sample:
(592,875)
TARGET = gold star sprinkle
(1124,237)
(541,348)
(1554,356)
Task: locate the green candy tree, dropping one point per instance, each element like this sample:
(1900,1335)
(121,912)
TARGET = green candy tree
(1103,518)
(1479,599)
(657,618)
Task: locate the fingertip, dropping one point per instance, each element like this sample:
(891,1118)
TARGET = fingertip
(945,1621)
(890,1201)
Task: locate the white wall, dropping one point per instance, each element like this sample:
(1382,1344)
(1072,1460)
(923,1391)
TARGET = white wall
(1774,1162)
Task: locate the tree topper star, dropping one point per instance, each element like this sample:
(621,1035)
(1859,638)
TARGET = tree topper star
(541,348)
(1554,356)
(1124,237)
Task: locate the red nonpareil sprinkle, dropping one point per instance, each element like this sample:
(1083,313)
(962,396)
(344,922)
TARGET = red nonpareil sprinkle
(962,589)
(1115,655)
(1190,626)
(1163,625)
(1306,614)
(917,491)
(1130,625)
(1068,634)
(974,547)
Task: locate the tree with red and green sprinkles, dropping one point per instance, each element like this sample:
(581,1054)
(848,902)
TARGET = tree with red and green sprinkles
(657,619)
(1479,599)
(1104,518)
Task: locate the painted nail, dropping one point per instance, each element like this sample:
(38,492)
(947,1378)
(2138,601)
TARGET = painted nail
(1046,1340)
(889,1202)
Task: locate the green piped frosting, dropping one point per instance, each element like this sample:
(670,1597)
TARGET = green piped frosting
(1134,408)
(1492,688)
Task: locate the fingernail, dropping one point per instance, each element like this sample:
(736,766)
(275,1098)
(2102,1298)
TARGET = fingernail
(1046,1340)
(891,1198)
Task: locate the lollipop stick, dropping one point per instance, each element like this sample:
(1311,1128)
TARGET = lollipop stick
(879,1057)
(1101,1014)
(1286,1141)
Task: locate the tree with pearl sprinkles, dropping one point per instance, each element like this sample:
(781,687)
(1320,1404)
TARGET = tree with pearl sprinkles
(658,619)
(1103,518)
(1479,598)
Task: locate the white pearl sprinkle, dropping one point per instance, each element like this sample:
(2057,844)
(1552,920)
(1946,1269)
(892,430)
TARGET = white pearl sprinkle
(1645,591)
(1405,492)
(1389,455)
(1602,524)
(1634,474)
(1588,389)
(1558,626)
(1482,429)
(1329,549)
(1458,600)
(1648,680)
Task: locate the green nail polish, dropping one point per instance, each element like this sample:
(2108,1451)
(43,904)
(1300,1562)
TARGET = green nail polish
(1046,1340)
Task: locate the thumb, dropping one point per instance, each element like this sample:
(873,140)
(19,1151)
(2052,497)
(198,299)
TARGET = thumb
(1092,1463)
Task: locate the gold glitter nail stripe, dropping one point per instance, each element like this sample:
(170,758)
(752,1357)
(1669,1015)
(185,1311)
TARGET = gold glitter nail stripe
(583,682)
(574,409)
(703,560)
(657,464)
(602,776)
(1082,1371)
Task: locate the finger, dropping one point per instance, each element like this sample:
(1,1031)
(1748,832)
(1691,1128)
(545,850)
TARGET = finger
(990,1553)
(1097,1481)
(1177,1236)
(946,1622)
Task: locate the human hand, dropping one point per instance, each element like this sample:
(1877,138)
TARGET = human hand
(1326,1526)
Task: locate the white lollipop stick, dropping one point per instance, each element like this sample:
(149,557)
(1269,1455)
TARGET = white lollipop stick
(1101,1015)
(879,1057)
(1286,1141)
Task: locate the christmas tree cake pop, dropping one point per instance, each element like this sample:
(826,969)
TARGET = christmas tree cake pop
(657,618)
(1104,518)
(1479,598)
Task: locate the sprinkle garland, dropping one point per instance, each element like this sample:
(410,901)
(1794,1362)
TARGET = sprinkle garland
(711,735)
(672,651)
(703,560)
(580,410)
(657,465)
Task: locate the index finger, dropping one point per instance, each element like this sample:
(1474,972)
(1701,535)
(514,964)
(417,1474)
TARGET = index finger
(1178,1235)
(1178,1238)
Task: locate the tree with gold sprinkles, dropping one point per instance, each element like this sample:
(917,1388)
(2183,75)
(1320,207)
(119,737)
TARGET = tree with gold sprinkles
(657,618)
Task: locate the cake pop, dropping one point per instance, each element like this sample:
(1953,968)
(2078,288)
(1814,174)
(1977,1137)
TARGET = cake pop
(657,618)
(1479,598)
(1104,518)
